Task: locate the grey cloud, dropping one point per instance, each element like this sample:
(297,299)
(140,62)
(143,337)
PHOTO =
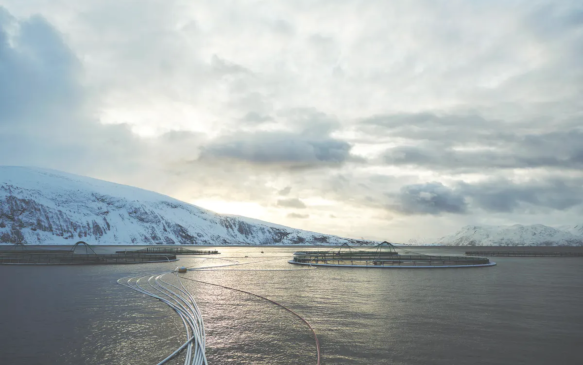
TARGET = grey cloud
(463,129)
(552,20)
(176,146)
(298,216)
(309,121)
(180,136)
(38,73)
(554,150)
(324,48)
(224,67)
(461,143)
(431,198)
(494,195)
(308,144)
(436,158)
(256,118)
(280,148)
(280,26)
(418,119)
(43,120)
(285,191)
(506,196)
(558,77)
(291,203)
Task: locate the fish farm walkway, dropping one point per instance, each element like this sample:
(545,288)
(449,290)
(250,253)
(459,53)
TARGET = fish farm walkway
(170,250)
(524,254)
(59,258)
(380,260)
(23,256)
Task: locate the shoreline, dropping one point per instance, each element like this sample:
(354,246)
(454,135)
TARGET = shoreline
(288,246)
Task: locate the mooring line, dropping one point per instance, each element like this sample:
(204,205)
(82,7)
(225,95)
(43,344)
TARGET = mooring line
(182,302)
(306,269)
(185,306)
(273,302)
(236,263)
(197,327)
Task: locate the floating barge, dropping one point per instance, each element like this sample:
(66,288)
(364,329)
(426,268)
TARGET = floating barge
(384,257)
(169,250)
(72,257)
(524,254)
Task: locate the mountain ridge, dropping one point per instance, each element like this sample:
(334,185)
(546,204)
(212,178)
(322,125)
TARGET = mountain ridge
(43,206)
(515,235)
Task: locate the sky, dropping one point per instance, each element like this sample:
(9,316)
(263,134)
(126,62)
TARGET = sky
(399,120)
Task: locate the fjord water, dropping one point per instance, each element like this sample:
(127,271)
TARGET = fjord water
(523,311)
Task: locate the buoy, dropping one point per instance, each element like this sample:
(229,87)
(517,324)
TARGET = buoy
(181,269)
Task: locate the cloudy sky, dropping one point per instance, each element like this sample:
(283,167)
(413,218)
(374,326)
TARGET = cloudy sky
(394,120)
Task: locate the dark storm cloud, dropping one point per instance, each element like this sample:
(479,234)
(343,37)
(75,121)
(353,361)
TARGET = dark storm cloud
(431,198)
(291,203)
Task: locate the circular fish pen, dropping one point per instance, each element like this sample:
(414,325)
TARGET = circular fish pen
(384,256)
(170,250)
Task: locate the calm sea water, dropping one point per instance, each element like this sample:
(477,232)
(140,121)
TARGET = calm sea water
(523,311)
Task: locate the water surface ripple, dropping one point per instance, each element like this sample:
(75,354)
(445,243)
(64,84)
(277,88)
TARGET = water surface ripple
(523,311)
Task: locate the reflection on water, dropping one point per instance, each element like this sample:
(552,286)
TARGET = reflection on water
(521,311)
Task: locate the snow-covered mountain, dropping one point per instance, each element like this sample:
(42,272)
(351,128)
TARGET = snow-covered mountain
(577,230)
(39,206)
(516,235)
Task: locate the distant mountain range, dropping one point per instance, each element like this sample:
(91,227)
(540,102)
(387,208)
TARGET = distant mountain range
(39,206)
(516,235)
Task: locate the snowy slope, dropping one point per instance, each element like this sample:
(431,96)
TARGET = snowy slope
(39,206)
(516,235)
(576,230)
